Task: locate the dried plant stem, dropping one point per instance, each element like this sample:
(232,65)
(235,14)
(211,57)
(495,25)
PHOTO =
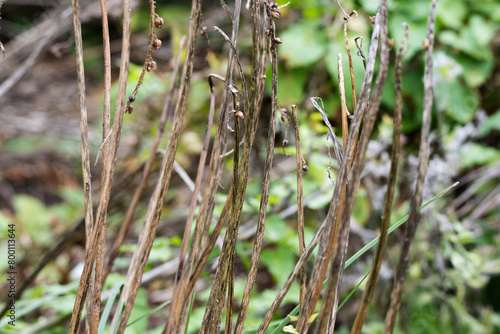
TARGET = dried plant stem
(87,189)
(184,269)
(345,126)
(327,316)
(257,247)
(152,219)
(389,195)
(113,253)
(300,204)
(351,69)
(100,222)
(423,161)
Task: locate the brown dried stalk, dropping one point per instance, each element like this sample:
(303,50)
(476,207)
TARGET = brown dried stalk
(257,247)
(113,253)
(139,259)
(184,267)
(328,313)
(109,162)
(423,161)
(345,126)
(301,166)
(389,195)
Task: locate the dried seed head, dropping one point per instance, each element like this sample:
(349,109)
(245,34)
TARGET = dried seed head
(151,66)
(285,142)
(158,22)
(305,168)
(391,42)
(239,114)
(372,19)
(130,109)
(426,43)
(157,43)
(276,14)
(278,40)
(131,98)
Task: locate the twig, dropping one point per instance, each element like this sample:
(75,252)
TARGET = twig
(139,259)
(29,62)
(423,160)
(389,196)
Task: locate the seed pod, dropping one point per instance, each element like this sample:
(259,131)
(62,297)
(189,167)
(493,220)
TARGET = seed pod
(131,98)
(276,14)
(151,66)
(158,22)
(157,43)
(391,42)
(239,114)
(285,142)
(278,40)
(305,168)
(130,109)
(426,43)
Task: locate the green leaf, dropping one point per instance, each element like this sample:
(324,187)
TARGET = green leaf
(477,154)
(290,329)
(303,44)
(458,102)
(34,219)
(492,123)
(105,314)
(278,260)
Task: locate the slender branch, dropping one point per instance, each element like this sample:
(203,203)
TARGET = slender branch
(345,126)
(389,195)
(423,161)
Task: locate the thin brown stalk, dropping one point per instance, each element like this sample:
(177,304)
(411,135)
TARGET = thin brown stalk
(100,222)
(326,246)
(300,204)
(423,161)
(288,283)
(139,259)
(113,253)
(93,304)
(389,195)
(87,190)
(184,269)
(259,237)
(345,126)
(351,68)
(328,312)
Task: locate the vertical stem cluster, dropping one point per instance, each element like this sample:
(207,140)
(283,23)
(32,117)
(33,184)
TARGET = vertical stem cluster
(423,161)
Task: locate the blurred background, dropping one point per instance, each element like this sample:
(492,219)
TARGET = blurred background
(454,280)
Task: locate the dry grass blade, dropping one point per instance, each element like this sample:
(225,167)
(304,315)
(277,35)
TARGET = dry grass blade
(147,167)
(423,161)
(389,196)
(148,232)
